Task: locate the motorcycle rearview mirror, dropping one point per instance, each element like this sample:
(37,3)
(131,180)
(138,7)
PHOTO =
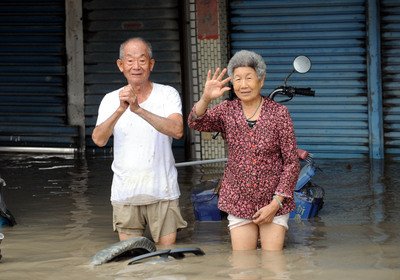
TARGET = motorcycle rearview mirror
(302,64)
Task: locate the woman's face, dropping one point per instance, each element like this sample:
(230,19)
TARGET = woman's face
(246,84)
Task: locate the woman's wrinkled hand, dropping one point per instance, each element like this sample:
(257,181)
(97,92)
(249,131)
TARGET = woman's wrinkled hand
(215,85)
(265,214)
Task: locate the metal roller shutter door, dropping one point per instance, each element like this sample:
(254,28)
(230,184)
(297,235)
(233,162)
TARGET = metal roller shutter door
(334,124)
(33,75)
(390,29)
(106,25)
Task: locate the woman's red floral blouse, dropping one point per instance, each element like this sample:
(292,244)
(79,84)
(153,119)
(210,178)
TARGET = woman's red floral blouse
(262,161)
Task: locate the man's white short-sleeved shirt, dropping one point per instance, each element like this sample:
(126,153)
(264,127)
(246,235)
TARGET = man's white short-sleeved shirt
(144,165)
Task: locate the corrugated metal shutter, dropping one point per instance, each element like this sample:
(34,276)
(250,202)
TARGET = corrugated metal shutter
(390,29)
(33,75)
(106,25)
(334,124)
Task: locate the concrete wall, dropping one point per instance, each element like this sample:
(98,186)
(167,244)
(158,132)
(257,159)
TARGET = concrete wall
(208,47)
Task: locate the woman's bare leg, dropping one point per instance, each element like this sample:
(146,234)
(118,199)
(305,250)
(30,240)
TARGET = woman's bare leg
(244,237)
(272,236)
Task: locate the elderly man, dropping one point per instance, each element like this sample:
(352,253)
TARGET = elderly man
(143,116)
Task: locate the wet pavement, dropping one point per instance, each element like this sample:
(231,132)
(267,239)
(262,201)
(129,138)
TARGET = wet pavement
(62,208)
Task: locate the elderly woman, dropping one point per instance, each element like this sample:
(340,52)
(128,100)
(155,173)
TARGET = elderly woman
(263,167)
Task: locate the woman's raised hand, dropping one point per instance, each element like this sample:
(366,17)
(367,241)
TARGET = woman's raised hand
(215,85)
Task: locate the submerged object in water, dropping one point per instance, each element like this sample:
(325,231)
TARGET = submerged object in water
(177,253)
(124,249)
(6,218)
(1,239)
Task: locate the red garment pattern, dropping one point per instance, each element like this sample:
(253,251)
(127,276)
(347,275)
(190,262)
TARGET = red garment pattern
(262,161)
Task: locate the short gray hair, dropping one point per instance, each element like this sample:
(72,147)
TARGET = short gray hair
(147,43)
(246,58)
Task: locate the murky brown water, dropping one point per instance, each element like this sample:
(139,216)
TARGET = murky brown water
(63,212)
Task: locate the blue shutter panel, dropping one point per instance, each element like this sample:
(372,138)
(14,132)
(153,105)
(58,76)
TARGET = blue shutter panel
(106,25)
(332,34)
(390,29)
(33,75)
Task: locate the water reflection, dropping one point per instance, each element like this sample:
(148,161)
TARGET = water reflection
(258,265)
(378,189)
(64,217)
(81,212)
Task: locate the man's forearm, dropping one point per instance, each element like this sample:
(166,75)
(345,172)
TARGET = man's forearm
(171,126)
(103,131)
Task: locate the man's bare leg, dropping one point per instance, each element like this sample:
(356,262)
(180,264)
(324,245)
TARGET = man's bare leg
(167,240)
(125,236)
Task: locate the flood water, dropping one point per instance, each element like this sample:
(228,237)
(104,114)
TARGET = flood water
(63,212)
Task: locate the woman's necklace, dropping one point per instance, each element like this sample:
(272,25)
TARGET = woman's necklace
(258,107)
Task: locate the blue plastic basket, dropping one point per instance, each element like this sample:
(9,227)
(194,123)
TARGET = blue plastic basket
(306,206)
(205,205)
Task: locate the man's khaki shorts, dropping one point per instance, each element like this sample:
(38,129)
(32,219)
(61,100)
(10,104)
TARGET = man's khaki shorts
(163,218)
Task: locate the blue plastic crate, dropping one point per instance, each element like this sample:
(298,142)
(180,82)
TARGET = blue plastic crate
(3,221)
(306,173)
(205,205)
(306,207)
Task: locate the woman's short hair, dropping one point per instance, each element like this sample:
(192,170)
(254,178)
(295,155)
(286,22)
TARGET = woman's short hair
(246,58)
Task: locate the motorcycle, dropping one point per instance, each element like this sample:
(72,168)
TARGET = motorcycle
(6,218)
(308,196)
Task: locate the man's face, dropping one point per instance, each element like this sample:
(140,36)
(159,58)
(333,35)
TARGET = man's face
(136,65)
